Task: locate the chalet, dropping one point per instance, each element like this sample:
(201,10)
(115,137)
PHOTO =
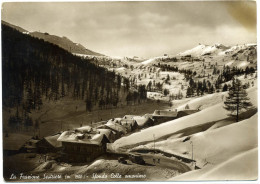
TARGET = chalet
(49,144)
(129,124)
(115,133)
(110,134)
(128,117)
(14,143)
(85,129)
(116,126)
(143,121)
(114,120)
(82,147)
(161,116)
(31,146)
(148,116)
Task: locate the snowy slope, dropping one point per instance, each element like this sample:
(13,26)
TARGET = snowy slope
(173,126)
(241,167)
(214,112)
(216,50)
(236,48)
(201,50)
(152,60)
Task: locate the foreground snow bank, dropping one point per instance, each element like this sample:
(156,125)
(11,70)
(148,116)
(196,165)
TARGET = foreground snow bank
(241,167)
(214,146)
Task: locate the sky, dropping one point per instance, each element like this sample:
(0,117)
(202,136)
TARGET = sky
(144,29)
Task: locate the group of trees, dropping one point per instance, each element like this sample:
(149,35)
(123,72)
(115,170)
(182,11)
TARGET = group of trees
(228,73)
(165,67)
(35,71)
(199,88)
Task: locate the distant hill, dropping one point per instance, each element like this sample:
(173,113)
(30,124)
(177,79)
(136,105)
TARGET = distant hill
(62,42)
(218,50)
(202,49)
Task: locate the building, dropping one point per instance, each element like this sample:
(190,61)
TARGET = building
(49,144)
(116,126)
(161,116)
(82,147)
(129,124)
(14,143)
(110,134)
(31,146)
(144,121)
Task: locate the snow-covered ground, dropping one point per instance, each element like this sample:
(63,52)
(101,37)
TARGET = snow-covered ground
(213,110)
(243,166)
(201,50)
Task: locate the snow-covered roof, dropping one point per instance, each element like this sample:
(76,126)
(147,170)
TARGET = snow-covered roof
(128,116)
(106,132)
(128,122)
(84,129)
(52,140)
(168,113)
(141,121)
(76,137)
(116,127)
(114,120)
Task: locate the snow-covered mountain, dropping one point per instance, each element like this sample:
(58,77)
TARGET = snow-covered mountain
(62,42)
(215,50)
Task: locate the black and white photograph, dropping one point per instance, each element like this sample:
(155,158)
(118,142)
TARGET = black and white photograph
(129,91)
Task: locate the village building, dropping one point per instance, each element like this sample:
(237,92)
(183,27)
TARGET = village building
(161,116)
(14,143)
(144,121)
(31,146)
(49,144)
(128,116)
(129,124)
(148,116)
(110,134)
(82,147)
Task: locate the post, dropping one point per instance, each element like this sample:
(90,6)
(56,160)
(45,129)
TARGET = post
(153,143)
(191,151)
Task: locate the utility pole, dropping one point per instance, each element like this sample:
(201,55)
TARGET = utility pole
(61,126)
(153,143)
(191,149)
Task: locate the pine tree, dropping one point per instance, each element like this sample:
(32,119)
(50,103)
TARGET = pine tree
(237,99)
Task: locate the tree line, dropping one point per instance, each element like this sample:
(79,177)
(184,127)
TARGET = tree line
(35,71)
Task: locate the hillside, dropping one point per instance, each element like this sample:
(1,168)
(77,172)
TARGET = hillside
(62,42)
(50,73)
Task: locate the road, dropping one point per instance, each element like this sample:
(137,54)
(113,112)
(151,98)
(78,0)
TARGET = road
(165,162)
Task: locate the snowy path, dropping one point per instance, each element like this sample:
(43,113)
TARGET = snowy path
(165,163)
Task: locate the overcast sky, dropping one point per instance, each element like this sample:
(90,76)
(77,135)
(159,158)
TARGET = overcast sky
(143,29)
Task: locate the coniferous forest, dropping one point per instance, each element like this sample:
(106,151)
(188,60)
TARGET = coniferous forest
(34,70)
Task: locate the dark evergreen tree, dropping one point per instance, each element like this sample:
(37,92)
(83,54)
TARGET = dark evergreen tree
(225,88)
(237,99)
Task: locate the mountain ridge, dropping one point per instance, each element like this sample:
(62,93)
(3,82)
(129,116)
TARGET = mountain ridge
(62,42)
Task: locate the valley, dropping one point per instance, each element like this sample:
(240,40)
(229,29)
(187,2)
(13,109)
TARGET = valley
(149,119)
